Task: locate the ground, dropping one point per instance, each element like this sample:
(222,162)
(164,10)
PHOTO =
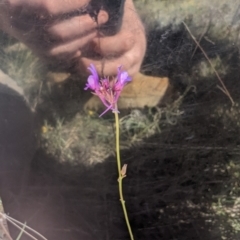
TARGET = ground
(183,155)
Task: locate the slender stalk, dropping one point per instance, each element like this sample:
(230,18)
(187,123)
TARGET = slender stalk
(23,225)
(223,87)
(27,233)
(121,175)
(21,233)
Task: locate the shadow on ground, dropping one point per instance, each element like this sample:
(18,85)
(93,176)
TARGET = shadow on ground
(172,181)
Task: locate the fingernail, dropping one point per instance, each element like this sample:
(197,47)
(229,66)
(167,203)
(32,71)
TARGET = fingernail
(77,54)
(102,17)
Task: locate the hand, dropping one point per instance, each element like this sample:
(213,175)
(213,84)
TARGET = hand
(126,48)
(54,30)
(51,28)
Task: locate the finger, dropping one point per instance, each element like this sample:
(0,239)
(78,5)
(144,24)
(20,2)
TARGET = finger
(52,7)
(108,67)
(114,45)
(56,7)
(75,27)
(70,48)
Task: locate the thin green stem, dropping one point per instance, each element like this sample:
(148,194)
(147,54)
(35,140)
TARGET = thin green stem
(118,144)
(121,175)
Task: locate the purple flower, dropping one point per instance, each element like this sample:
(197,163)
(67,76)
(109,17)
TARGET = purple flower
(93,80)
(107,91)
(122,79)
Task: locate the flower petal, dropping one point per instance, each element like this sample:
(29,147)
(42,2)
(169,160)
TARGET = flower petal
(124,78)
(93,80)
(93,71)
(105,84)
(91,83)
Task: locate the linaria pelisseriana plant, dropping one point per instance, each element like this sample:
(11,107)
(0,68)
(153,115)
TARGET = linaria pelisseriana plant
(109,91)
